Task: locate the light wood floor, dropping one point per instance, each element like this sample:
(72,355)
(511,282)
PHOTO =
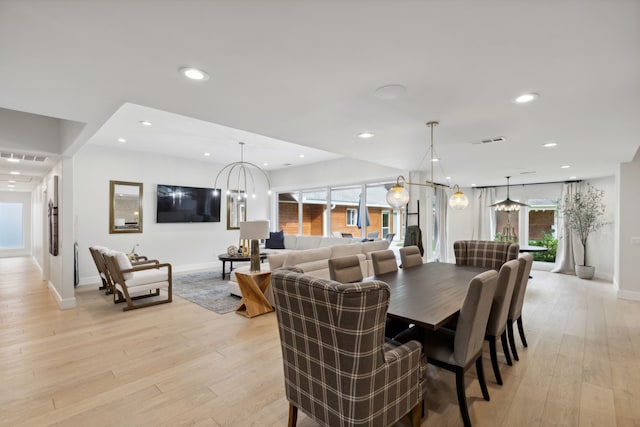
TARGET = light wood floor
(181,365)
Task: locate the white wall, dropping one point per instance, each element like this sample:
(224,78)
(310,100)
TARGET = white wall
(628,228)
(25,199)
(186,246)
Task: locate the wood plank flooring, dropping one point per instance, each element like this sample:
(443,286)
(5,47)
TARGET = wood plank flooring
(181,365)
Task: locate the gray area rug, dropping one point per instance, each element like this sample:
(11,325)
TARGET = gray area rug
(207,289)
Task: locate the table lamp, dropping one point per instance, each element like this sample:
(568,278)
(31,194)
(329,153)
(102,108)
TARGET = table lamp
(253,231)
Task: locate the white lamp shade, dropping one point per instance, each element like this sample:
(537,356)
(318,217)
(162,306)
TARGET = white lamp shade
(397,196)
(254,230)
(458,200)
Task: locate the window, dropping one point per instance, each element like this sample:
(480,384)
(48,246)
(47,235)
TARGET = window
(542,228)
(352,217)
(11,226)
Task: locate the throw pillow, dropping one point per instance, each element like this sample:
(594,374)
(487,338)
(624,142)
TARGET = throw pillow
(275,240)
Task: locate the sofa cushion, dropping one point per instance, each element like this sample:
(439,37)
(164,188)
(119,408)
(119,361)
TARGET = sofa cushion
(333,241)
(308,242)
(276,260)
(376,245)
(299,257)
(275,240)
(290,241)
(123,264)
(346,250)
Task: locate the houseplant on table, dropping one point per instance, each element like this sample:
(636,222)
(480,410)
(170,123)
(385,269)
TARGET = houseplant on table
(583,212)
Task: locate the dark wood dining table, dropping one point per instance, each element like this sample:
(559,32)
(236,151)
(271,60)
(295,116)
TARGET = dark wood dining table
(429,295)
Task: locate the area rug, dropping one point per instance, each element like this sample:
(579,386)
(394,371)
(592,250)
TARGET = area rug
(207,289)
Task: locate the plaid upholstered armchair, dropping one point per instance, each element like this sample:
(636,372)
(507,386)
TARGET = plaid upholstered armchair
(337,368)
(485,253)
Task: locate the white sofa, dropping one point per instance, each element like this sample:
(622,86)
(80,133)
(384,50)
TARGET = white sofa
(315,260)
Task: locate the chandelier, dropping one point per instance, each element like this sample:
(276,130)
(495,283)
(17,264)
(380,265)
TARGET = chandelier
(240,177)
(507,205)
(398,196)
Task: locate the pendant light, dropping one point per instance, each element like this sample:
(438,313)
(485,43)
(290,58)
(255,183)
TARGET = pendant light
(508,205)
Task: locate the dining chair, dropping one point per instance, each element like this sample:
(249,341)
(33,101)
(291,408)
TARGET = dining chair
(497,324)
(345,269)
(347,235)
(373,235)
(390,237)
(384,261)
(456,350)
(410,257)
(338,369)
(517,300)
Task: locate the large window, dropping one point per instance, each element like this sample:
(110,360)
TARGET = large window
(542,228)
(11,226)
(288,212)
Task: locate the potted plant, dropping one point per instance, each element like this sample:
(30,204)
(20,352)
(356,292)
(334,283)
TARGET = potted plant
(583,212)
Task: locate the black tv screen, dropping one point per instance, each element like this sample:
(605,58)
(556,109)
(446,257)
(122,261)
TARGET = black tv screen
(187,204)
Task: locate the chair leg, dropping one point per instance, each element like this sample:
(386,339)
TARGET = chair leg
(462,397)
(512,340)
(483,383)
(505,347)
(293,415)
(416,414)
(494,359)
(521,331)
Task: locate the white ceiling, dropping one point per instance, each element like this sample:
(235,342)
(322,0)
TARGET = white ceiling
(305,72)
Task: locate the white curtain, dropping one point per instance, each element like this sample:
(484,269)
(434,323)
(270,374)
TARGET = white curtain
(440,228)
(568,245)
(485,220)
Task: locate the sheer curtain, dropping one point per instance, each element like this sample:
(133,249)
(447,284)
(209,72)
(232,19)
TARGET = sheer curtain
(440,228)
(567,244)
(485,221)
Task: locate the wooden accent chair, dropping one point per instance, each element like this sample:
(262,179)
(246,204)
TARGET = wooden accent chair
(345,269)
(410,257)
(517,300)
(338,369)
(457,350)
(485,253)
(383,261)
(497,324)
(98,259)
(139,281)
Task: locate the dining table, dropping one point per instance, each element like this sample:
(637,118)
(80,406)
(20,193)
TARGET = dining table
(429,295)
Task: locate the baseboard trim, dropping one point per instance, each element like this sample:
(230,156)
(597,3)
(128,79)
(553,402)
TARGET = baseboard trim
(63,303)
(629,295)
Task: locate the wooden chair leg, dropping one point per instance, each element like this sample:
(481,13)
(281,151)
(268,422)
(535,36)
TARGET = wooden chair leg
(483,383)
(521,331)
(462,397)
(505,348)
(416,414)
(293,415)
(494,359)
(512,340)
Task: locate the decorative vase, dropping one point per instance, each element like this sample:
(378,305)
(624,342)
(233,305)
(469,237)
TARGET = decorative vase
(585,271)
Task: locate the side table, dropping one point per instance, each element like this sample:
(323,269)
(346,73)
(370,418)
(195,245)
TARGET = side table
(253,287)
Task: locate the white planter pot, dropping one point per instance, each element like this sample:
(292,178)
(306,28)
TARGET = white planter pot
(585,271)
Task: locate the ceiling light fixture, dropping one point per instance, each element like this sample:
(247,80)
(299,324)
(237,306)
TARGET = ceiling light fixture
(565,167)
(527,97)
(365,135)
(14,173)
(207,154)
(398,196)
(194,74)
(550,144)
(243,176)
(13,160)
(389,92)
(145,123)
(122,140)
(507,205)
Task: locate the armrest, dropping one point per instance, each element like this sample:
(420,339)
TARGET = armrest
(145,261)
(399,352)
(147,266)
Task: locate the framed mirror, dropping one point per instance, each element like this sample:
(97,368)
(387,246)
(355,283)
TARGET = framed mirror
(125,207)
(236,209)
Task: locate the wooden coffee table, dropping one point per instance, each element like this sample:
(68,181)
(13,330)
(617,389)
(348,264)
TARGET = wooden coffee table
(253,287)
(235,258)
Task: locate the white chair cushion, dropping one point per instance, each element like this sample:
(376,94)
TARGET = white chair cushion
(124,264)
(146,277)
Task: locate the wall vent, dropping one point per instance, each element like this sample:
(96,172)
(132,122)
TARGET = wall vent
(19,156)
(490,140)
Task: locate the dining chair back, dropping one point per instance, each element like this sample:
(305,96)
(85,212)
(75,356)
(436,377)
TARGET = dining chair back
(384,261)
(338,369)
(484,253)
(517,301)
(410,257)
(345,269)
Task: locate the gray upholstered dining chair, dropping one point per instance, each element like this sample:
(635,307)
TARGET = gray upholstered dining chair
(345,269)
(383,261)
(457,350)
(410,257)
(497,324)
(517,300)
(338,369)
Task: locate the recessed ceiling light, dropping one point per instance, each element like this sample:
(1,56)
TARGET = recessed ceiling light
(194,74)
(473,185)
(365,135)
(14,173)
(12,181)
(550,144)
(435,159)
(122,140)
(145,123)
(447,177)
(265,164)
(389,92)
(526,97)
(10,185)
(207,154)
(572,177)
(301,156)
(13,160)
(565,167)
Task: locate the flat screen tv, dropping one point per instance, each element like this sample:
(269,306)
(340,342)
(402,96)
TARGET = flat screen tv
(187,204)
